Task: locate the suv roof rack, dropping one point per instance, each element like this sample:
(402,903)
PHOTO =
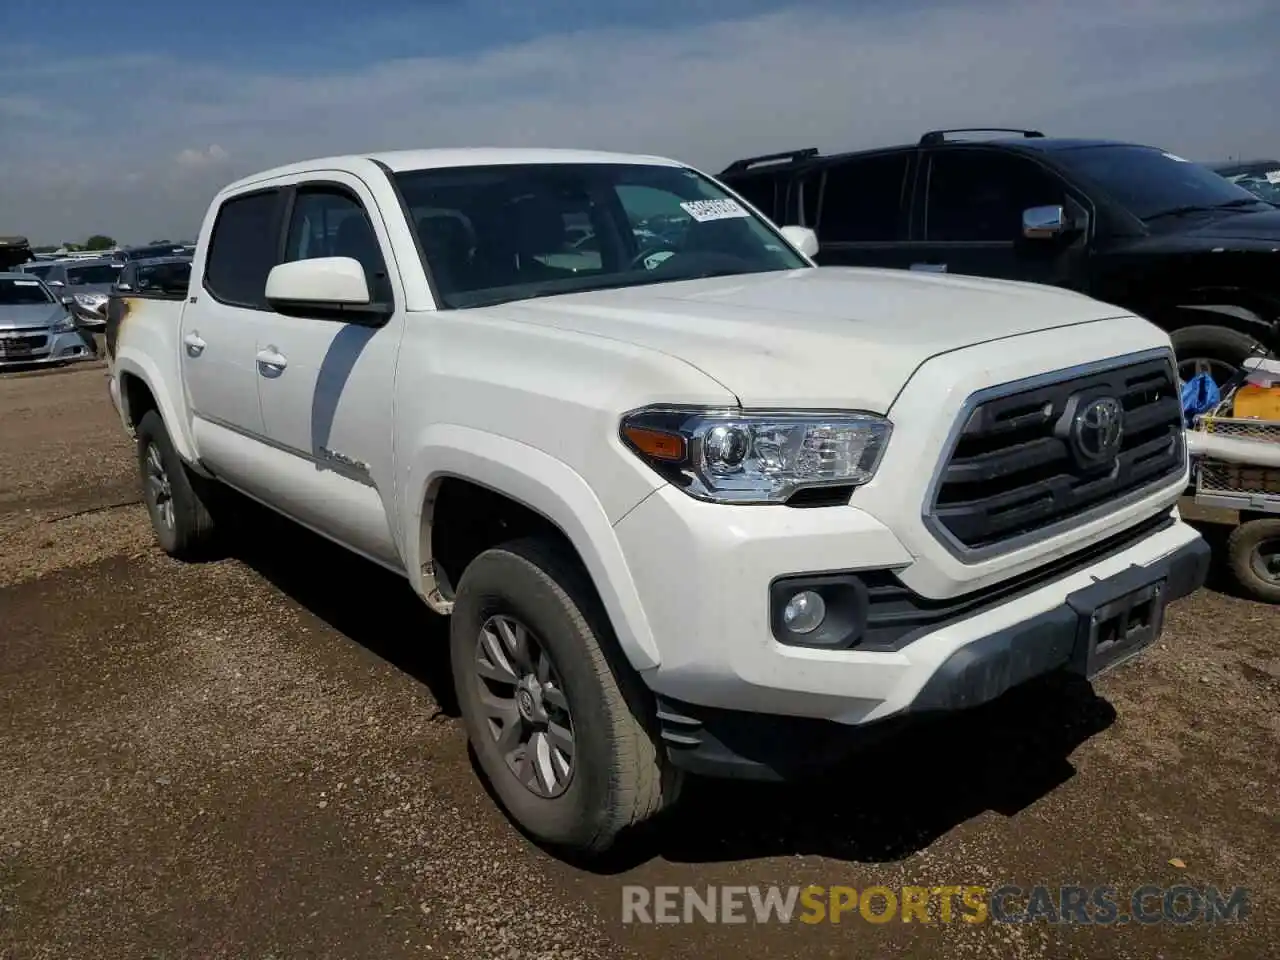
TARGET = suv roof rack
(940,136)
(787,156)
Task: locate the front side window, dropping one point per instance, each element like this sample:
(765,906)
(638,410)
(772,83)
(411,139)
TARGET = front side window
(494,234)
(242,249)
(38,270)
(862,199)
(23,293)
(979,195)
(329,222)
(102,273)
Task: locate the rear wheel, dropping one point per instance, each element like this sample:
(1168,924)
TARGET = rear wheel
(175,498)
(563,731)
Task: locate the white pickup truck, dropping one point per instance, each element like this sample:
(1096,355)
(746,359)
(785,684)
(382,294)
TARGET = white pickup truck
(693,503)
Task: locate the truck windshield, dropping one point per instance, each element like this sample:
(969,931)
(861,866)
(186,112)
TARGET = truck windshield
(494,234)
(1150,183)
(22,293)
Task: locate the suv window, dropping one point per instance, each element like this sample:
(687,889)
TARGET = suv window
(761,192)
(242,249)
(862,199)
(980,195)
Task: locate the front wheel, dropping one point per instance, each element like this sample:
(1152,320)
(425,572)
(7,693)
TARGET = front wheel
(562,730)
(1217,351)
(1253,551)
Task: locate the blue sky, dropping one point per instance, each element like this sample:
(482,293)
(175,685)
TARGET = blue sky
(126,118)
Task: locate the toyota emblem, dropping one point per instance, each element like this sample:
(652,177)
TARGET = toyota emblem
(1099,430)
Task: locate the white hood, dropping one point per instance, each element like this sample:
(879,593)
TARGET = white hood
(836,337)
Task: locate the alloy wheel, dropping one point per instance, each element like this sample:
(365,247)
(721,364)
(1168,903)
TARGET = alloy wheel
(524,706)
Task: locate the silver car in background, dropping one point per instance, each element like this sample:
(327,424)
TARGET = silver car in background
(84,285)
(35,327)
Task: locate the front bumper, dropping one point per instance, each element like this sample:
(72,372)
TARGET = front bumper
(41,349)
(703,573)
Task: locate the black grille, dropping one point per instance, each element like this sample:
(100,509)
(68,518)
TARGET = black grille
(1013,472)
(27,342)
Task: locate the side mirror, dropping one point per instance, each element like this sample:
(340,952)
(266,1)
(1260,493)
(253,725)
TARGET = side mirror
(56,283)
(803,239)
(1042,223)
(323,287)
(67,301)
(123,287)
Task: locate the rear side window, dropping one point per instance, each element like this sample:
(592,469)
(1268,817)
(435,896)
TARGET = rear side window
(761,192)
(242,249)
(862,199)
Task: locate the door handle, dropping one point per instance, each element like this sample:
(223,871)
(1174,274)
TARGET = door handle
(272,359)
(195,346)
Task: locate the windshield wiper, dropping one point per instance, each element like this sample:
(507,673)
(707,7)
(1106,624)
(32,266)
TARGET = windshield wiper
(1202,208)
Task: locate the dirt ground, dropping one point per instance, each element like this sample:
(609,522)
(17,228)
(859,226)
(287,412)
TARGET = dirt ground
(259,758)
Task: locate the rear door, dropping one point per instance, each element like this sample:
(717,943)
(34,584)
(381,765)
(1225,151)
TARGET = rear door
(862,209)
(220,331)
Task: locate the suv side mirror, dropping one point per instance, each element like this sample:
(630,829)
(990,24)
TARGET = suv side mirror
(331,287)
(803,239)
(1042,223)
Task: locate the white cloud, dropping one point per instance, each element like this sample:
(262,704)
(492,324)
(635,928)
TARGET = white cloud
(1196,78)
(210,156)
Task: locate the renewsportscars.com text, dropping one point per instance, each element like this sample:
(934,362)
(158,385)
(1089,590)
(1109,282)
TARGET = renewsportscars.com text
(1100,905)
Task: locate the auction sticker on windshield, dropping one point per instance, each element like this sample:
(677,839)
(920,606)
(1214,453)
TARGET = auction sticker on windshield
(1273,176)
(704,210)
(26,283)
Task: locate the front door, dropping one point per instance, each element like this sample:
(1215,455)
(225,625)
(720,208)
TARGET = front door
(970,221)
(326,385)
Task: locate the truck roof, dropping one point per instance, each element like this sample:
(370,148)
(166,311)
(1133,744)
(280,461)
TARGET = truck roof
(399,160)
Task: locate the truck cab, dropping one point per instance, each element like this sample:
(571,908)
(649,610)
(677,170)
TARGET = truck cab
(687,498)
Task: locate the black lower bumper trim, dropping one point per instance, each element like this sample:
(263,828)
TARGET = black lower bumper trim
(742,745)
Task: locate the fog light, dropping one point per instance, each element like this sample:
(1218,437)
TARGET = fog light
(804,612)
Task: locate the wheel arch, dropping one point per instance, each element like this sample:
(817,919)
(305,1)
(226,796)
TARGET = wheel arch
(140,383)
(547,494)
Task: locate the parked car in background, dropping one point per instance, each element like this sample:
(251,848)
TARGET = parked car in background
(83,284)
(1259,177)
(150,252)
(14,251)
(35,328)
(1125,223)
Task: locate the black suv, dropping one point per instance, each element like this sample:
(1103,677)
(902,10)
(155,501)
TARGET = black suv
(1127,224)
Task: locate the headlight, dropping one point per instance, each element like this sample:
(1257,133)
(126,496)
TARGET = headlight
(90,300)
(736,456)
(63,325)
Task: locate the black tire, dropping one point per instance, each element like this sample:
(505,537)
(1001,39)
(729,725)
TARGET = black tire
(1249,541)
(1218,346)
(621,776)
(191,533)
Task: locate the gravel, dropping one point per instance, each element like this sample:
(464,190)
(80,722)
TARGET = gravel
(259,757)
